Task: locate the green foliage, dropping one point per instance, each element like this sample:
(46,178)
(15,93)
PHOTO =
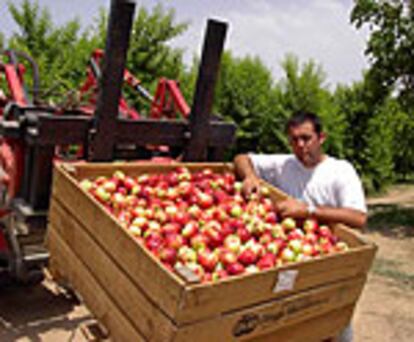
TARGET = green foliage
(390,45)
(244,96)
(391,73)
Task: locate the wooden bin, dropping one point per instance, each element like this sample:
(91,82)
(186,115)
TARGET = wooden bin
(137,298)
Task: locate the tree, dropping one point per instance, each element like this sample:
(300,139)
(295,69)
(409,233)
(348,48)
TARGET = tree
(390,46)
(243,95)
(391,72)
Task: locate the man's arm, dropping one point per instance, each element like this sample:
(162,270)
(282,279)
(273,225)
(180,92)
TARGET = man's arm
(298,209)
(245,171)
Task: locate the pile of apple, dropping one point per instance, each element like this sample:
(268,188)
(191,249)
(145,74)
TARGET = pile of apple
(201,221)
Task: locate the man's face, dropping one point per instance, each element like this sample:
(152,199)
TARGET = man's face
(306,143)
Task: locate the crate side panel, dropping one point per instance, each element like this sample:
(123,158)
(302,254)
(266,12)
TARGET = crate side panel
(65,265)
(205,301)
(136,261)
(144,314)
(315,329)
(138,168)
(272,316)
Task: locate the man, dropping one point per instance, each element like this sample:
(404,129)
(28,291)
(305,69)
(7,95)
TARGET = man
(320,186)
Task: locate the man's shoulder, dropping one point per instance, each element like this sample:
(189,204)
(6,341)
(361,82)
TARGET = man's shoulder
(275,157)
(338,163)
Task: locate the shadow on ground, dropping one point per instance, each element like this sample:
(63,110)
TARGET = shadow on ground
(28,311)
(391,220)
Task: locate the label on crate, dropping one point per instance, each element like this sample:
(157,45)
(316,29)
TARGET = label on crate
(285,280)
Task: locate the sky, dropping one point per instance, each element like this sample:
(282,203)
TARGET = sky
(269,29)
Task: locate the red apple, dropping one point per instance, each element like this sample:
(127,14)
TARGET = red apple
(190,229)
(168,255)
(235,268)
(267,261)
(174,240)
(247,257)
(207,259)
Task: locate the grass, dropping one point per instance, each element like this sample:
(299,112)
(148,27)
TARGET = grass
(389,269)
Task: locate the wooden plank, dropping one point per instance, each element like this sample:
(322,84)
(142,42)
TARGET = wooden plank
(204,300)
(276,315)
(204,92)
(65,265)
(164,287)
(313,330)
(143,313)
(84,170)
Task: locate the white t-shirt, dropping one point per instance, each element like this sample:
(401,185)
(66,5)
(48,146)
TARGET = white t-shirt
(333,182)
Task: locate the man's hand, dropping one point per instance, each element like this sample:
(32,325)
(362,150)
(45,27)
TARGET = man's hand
(292,208)
(250,184)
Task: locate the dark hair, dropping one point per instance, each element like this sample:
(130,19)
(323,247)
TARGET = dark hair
(300,117)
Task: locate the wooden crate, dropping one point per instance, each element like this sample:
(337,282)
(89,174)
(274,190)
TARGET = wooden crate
(137,298)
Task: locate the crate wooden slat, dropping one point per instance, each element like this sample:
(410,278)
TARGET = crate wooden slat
(167,307)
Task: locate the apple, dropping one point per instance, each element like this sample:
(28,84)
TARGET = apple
(190,229)
(119,175)
(288,223)
(141,222)
(236,210)
(187,254)
(244,234)
(135,231)
(277,231)
(235,268)
(296,245)
(86,185)
(110,186)
(247,257)
(232,243)
(204,200)
(288,255)
(102,195)
(267,261)
(199,241)
(310,225)
(308,249)
(273,247)
(227,257)
(174,240)
(168,255)
(207,259)
(325,231)
(153,241)
(271,217)
(170,227)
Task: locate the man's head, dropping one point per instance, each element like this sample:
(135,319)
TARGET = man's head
(306,137)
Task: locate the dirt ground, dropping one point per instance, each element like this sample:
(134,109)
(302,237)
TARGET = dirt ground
(385,311)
